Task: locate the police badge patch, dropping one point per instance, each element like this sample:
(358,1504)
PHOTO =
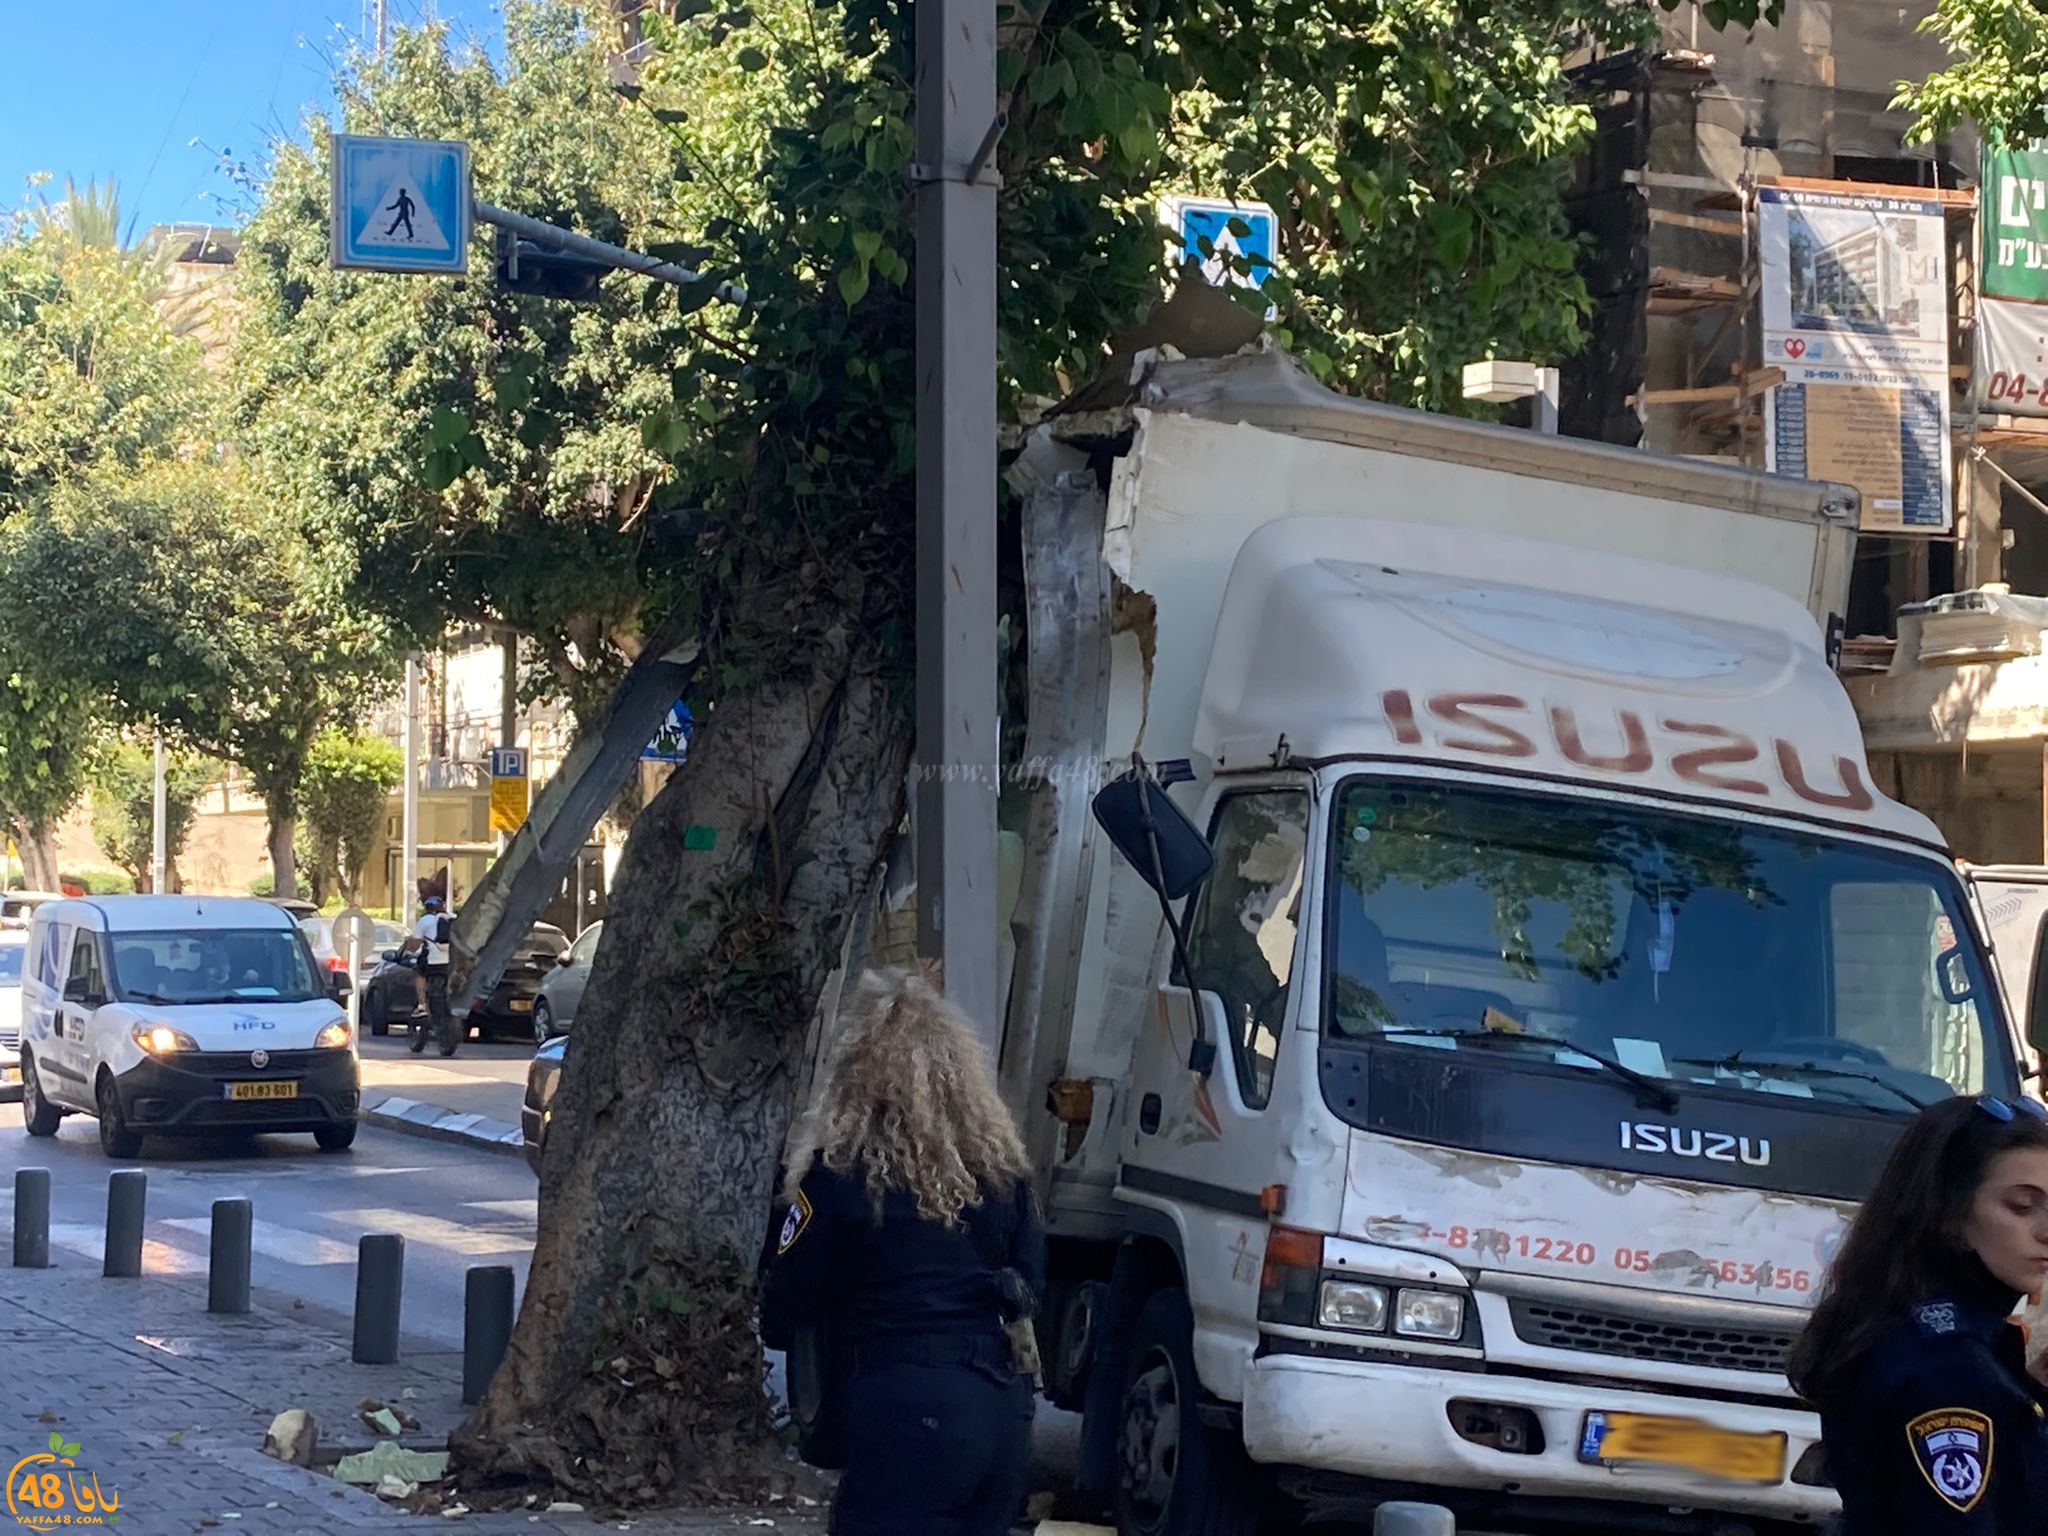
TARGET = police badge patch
(794,1223)
(1952,1448)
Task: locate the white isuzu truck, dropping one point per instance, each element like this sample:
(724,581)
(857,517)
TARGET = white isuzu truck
(1557,983)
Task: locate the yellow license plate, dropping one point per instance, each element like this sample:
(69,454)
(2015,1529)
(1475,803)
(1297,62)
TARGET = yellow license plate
(1640,1437)
(522,1005)
(263,1090)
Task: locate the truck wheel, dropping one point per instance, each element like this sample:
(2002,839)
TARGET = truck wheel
(38,1115)
(1176,1477)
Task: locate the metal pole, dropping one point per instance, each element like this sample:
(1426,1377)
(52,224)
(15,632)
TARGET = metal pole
(126,1193)
(380,1284)
(227,1258)
(409,864)
(159,826)
(31,1218)
(1545,404)
(956,501)
(486,1327)
(582,245)
(380,28)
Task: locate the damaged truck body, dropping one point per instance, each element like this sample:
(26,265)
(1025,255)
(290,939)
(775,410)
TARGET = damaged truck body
(1557,984)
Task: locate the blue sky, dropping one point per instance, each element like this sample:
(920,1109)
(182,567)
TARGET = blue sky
(122,87)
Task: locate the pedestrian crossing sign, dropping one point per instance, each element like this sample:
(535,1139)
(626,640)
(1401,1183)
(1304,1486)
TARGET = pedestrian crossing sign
(399,205)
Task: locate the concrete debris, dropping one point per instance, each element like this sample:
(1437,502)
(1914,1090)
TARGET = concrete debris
(292,1437)
(390,1487)
(390,1459)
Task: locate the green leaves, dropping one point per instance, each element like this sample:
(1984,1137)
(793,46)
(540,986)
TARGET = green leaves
(453,448)
(61,1446)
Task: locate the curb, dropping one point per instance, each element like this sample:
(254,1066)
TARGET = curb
(411,1117)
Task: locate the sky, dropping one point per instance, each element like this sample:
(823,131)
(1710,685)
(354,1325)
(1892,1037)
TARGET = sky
(121,88)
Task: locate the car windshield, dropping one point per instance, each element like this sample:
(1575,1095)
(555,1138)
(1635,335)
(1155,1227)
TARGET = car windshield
(10,964)
(1696,951)
(230,965)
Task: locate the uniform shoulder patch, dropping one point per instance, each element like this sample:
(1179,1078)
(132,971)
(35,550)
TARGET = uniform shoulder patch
(794,1224)
(1937,1318)
(1952,1448)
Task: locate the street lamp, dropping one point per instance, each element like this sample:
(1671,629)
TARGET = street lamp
(1499,382)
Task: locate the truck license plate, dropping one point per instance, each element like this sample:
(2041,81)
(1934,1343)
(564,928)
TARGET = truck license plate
(1610,1439)
(286,1090)
(522,1005)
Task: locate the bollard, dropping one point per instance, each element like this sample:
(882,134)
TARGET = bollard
(31,1218)
(126,1191)
(1413,1520)
(380,1278)
(227,1259)
(486,1327)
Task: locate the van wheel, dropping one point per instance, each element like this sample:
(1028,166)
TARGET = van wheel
(38,1114)
(116,1139)
(1175,1476)
(336,1138)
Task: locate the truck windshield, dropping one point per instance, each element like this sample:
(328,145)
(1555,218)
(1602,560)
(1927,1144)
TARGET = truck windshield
(231,965)
(1691,950)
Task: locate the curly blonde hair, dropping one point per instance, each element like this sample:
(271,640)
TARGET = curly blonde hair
(907,1094)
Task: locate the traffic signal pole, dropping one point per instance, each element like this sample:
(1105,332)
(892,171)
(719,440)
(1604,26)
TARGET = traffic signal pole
(957,749)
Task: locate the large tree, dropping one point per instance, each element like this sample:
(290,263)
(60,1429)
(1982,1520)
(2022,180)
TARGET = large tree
(1997,77)
(344,795)
(123,785)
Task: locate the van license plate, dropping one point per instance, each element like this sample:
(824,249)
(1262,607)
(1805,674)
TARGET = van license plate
(522,1005)
(288,1090)
(1610,1439)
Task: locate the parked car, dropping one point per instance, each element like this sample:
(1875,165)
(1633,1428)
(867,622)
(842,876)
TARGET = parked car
(13,947)
(561,990)
(181,1015)
(298,906)
(319,932)
(542,1078)
(17,907)
(388,997)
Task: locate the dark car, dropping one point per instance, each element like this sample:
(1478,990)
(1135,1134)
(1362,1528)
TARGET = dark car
(388,997)
(542,1078)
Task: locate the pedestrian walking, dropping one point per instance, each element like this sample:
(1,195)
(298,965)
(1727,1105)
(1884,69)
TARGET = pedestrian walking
(1931,1423)
(913,1249)
(429,941)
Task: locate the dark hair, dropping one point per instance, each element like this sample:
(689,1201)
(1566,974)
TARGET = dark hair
(1905,1246)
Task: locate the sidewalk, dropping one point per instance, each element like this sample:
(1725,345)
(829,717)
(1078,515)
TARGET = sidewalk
(168,1406)
(472,1099)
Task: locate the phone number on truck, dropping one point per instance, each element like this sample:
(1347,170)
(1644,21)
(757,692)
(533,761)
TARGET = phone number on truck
(1491,1242)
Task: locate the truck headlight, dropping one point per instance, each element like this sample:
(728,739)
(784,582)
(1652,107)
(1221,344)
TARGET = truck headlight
(333,1038)
(161,1039)
(1353,1306)
(1429,1315)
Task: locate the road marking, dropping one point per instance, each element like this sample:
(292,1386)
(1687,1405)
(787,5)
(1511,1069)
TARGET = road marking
(433,1231)
(525,1210)
(88,1240)
(288,1245)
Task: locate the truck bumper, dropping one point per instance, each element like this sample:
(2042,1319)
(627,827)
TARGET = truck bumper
(1392,1423)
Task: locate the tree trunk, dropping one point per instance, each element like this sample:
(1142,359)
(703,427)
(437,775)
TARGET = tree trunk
(284,859)
(38,845)
(725,921)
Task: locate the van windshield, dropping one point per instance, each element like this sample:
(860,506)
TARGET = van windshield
(229,965)
(1696,951)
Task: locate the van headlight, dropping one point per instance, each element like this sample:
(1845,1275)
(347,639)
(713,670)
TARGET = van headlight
(161,1039)
(1429,1315)
(334,1037)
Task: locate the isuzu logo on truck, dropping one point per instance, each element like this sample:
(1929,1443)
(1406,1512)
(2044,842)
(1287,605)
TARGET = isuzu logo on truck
(1681,1141)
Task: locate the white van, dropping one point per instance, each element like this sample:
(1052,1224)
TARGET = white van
(181,1015)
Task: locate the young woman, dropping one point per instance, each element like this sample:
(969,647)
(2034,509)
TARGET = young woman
(913,1238)
(1931,1423)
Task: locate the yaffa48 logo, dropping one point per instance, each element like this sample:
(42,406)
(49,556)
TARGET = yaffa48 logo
(49,1488)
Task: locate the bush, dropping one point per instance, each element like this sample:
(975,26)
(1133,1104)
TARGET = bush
(264,884)
(100,882)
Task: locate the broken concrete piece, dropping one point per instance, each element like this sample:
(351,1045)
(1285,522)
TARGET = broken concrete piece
(292,1437)
(390,1459)
(384,1421)
(390,1487)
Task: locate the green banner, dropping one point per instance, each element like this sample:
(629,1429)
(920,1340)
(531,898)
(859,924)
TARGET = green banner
(2013,213)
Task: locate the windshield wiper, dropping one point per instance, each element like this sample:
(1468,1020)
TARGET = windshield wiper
(1763,1066)
(1665,1098)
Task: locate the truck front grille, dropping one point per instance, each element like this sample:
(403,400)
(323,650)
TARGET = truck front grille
(1601,1332)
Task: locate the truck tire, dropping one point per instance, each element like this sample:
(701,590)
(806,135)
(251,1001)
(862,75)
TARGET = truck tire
(1176,1476)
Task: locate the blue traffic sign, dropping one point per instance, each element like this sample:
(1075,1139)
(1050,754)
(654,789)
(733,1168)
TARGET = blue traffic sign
(508,762)
(399,205)
(1209,237)
(671,743)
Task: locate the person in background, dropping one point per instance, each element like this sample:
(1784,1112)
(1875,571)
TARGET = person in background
(429,940)
(913,1237)
(1930,1422)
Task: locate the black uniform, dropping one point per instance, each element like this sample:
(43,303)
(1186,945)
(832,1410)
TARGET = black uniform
(938,1420)
(1947,1434)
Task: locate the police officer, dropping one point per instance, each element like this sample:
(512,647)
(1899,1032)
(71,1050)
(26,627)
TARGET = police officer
(912,1240)
(1931,1423)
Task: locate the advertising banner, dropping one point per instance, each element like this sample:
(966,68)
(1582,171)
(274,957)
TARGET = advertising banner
(2012,309)
(1855,311)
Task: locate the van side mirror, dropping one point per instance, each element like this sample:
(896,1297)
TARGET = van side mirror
(2037,992)
(1167,850)
(79,990)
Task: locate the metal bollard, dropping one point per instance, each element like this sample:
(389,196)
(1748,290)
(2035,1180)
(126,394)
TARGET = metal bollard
(486,1327)
(227,1259)
(126,1192)
(31,1218)
(380,1280)
(1413,1520)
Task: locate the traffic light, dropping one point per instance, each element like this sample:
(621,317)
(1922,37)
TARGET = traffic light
(528,266)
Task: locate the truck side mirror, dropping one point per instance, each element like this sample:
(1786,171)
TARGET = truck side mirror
(2037,992)
(1167,850)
